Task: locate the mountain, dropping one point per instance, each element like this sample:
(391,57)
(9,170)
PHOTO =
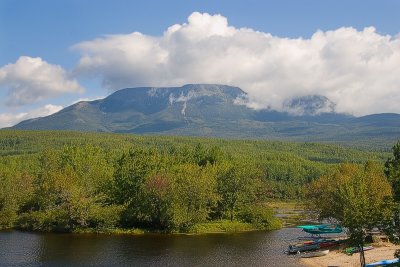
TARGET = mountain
(213,110)
(310,105)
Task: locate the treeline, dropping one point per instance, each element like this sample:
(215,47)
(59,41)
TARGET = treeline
(17,142)
(84,187)
(70,181)
(286,166)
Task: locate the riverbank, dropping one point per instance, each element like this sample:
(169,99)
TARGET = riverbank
(338,258)
(212,227)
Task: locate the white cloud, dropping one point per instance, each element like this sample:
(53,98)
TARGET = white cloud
(31,79)
(10,119)
(357,70)
(87,99)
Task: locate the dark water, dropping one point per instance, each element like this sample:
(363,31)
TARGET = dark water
(246,249)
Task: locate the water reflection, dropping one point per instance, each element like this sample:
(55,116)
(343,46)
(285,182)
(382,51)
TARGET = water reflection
(254,248)
(19,249)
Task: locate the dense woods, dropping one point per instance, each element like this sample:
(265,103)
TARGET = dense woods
(70,181)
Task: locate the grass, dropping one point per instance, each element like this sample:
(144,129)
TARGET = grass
(224,226)
(289,205)
(113,231)
(291,213)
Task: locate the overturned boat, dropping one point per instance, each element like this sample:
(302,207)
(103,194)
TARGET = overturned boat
(315,254)
(313,245)
(393,262)
(321,229)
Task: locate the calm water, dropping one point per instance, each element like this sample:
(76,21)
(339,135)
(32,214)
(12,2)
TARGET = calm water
(246,249)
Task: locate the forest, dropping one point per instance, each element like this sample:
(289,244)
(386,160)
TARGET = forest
(83,182)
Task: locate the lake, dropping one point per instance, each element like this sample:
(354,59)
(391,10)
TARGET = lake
(244,249)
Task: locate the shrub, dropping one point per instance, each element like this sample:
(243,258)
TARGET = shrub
(261,217)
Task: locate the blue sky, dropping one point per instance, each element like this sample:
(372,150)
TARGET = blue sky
(52,31)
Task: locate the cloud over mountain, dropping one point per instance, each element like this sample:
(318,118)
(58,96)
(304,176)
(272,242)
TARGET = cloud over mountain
(29,80)
(357,70)
(9,119)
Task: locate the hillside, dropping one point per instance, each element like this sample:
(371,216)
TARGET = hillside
(212,110)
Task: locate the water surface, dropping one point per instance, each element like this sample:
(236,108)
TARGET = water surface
(244,249)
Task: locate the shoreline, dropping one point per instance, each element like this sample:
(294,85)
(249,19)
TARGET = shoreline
(215,227)
(136,232)
(381,251)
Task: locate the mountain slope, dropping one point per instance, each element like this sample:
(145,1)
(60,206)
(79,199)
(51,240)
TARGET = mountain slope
(148,110)
(210,110)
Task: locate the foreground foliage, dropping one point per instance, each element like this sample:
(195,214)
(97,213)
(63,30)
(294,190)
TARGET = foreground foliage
(358,198)
(392,171)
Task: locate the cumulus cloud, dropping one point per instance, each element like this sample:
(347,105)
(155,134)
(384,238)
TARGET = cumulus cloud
(10,119)
(29,80)
(357,70)
(87,99)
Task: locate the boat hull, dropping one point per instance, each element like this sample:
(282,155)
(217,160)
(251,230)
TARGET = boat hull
(351,251)
(384,263)
(302,248)
(315,254)
(321,229)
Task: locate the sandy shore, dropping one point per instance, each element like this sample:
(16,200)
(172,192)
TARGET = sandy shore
(337,258)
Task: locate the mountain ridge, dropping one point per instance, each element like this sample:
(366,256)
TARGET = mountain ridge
(214,110)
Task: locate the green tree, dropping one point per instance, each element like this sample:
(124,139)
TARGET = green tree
(133,169)
(392,172)
(195,194)
(15,190)
(68,191)
(358,198)
(157,201)
(239,184)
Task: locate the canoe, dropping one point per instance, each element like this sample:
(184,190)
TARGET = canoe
(315,254)
(327,244)
(323,242)
(312,226)
(293,249)
(311,245)
(353,250)
(308,238)
(323,229)
(383,263)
